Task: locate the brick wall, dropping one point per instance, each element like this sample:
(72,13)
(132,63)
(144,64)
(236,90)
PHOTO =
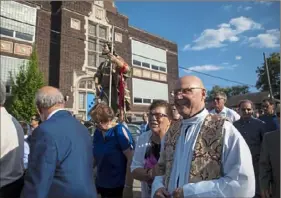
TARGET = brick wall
(72,52)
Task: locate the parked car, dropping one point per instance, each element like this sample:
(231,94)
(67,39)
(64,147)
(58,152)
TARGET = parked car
(133,128)
(135,131)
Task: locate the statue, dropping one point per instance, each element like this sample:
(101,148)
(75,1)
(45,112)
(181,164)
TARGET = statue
(120,95)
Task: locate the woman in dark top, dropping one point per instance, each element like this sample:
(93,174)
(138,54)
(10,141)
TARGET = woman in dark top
(113,151)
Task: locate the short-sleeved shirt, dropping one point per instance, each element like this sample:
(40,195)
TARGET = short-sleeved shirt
(109,158)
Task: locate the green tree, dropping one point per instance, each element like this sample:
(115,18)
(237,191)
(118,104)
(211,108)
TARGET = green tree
(274,73)
(229,91)
(24,86)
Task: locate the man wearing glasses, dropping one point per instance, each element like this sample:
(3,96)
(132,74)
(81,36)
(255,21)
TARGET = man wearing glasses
(252,130)
(219,101)
(205,155)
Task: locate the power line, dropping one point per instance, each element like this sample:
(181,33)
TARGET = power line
(89,41)
(233,81)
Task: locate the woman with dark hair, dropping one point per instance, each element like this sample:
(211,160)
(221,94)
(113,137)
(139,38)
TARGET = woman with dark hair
(147,150)
(112,150)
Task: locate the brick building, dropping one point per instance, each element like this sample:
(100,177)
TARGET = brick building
(68,37)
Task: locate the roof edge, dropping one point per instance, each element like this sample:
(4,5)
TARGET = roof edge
(153,35)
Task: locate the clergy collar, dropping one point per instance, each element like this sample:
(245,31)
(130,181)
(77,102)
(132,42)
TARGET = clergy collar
(197,117)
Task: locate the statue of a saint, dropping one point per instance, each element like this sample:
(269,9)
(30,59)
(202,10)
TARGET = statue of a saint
(120,95)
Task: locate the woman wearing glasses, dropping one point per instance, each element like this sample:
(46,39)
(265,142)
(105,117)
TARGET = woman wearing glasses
(113,151)
(147,150)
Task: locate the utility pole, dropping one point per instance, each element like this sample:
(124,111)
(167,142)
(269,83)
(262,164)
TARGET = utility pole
(268,77)
(111,65)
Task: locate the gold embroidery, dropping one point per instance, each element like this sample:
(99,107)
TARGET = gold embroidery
(206,161)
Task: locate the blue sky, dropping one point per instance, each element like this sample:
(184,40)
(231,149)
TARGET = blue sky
(224,39)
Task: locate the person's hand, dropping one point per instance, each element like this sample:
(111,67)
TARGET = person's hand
(99,87)
(128,192)
(178,193)
(112,57)
(162,193)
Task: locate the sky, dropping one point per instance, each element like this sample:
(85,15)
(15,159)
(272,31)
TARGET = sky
(224,39)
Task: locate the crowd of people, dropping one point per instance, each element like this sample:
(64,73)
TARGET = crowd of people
(184,150)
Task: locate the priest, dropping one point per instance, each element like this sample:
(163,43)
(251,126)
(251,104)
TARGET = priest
(203,155)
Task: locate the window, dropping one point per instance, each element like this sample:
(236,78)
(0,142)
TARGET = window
(135,62)
(92,44)
(145,65)
(137,100)
(144,91)
(162,69)
(97,36)
(154,67)
(92,59)
(102,32)
(92,29)
(10,65)
(18,20)
(147,101)
(82,100)
(150,57)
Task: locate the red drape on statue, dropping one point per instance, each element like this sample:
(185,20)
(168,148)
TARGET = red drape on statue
(121,87)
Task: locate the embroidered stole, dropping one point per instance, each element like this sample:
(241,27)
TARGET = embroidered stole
(206,160)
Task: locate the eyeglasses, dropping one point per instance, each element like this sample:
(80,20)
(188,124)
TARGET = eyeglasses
(158,116)
(188,90)
(217,99)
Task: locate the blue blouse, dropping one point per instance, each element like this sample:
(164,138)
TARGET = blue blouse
(109,158)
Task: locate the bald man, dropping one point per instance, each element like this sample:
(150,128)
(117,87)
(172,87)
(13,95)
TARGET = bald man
(203,155)
(60,161)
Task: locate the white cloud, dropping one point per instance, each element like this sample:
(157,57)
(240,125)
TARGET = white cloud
(226,32)
(209,68)
(269,39)
(227,7)
(238,57)
(248,8)
(241,8)
(203,68)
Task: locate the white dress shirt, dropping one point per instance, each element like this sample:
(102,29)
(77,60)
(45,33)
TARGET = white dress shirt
(12,149)
(238,179)
(228,113)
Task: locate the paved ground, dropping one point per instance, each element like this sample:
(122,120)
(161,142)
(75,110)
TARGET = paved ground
(137,189)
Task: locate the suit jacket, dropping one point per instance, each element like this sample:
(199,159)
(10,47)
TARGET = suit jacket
(60,160)
(270,162)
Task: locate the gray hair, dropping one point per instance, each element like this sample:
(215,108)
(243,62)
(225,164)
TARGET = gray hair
(47,100)
(221,94)
(2,94)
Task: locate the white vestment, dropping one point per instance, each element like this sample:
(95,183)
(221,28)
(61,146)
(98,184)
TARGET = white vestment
(238,178)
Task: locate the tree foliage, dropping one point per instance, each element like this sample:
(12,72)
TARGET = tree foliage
(229,91)
(24,86)
(274,73)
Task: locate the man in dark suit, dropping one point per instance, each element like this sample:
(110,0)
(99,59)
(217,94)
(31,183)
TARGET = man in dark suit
(270,163)
(61,159)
